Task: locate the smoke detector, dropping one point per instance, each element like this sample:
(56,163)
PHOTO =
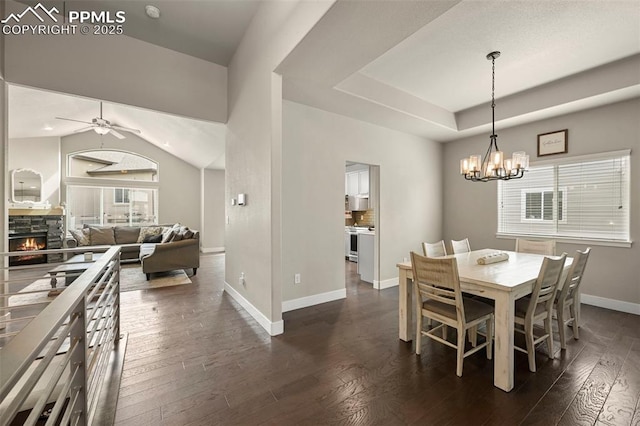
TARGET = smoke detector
(152,11)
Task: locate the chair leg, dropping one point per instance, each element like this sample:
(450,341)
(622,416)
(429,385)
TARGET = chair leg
(462,335)
(561,325)
(473,336)
(531,350)
(489,326)
(148,277)
(576,321)
(549,330)
(195,271)
(444,331)
(419,333)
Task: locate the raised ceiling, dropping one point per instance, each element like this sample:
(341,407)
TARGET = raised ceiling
(421,67)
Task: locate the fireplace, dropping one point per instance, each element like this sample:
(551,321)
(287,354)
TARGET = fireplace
(30,244)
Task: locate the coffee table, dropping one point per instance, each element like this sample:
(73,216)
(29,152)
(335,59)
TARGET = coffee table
(71,269)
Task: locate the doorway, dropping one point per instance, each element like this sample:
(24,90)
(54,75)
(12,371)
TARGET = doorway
(362,226)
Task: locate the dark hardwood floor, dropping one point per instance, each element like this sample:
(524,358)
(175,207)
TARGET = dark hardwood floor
(196,357)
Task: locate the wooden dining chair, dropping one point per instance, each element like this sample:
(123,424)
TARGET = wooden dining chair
(434,249)
(437,294)
(461,246)
(539,307)
(546,247)
(566,297)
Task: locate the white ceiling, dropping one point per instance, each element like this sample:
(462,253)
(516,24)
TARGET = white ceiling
(421,67)
(32,114)
(207,29)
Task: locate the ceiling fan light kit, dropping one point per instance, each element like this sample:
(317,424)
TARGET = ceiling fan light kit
(493,166)
(102,126)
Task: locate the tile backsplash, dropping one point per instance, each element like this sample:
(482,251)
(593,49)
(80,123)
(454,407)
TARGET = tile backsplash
(362,218)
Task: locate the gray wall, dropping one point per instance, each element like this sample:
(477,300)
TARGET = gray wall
(213,215)
(470,209)
(254,152)
(118,69)
(179,183)
(41,155)
(316,146)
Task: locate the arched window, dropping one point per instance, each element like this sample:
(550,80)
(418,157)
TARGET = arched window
(110,188)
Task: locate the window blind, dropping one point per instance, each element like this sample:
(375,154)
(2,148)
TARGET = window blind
(577,198)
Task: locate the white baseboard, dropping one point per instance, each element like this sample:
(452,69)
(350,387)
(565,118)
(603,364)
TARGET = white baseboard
(273,328)
(316,299)
(211,249)
(616,305)
(381,285)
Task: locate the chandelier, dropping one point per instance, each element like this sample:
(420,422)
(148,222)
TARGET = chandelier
(493,166)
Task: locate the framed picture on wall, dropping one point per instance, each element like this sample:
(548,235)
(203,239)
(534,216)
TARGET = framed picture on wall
(556,142)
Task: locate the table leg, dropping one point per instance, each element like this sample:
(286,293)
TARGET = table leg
(504,356)
(404,307)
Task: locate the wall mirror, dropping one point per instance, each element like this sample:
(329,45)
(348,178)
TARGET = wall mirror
(26,186)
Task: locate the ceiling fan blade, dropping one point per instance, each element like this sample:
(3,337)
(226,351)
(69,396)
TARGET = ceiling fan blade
(71,119)
(116,134)
(84,129)
(126,129)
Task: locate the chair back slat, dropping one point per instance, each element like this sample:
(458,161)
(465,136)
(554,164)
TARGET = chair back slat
(546,286)
(574,277)
(461,246)
(434,249)
(547,247)
(437,279)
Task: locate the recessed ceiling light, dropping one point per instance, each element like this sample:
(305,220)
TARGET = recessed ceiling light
(152,11)
(47,128)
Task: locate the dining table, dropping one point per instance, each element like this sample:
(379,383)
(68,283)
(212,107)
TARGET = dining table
(503,282)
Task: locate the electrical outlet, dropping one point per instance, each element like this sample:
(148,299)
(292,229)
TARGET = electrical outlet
(296,279)
(242,282)
(361,217)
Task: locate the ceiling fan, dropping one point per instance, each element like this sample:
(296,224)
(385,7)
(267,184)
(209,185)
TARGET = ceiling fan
(102,126)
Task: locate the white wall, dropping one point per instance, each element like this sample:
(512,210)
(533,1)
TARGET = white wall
(470,209)
(253,155)
(118,69)
(179,182)
(213,216)
(41,155)
(316,146)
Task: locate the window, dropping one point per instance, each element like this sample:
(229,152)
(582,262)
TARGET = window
(121,196)
(103,206)
(580,198)
(537,204)
(111,164)
(110,187)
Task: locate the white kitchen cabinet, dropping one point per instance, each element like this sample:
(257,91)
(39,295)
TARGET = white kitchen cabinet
(366,242)
(353,183)
(357,182)
(363,182)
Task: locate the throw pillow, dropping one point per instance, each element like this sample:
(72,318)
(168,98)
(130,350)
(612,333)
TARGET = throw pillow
(81,236)
(126,234)
(102,236)
(167,236)
(148,230)
(153,238)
